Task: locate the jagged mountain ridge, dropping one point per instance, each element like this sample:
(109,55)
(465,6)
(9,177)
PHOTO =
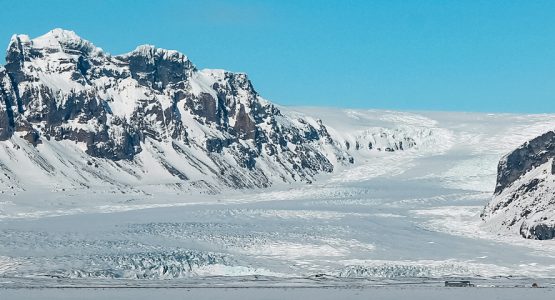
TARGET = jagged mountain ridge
(524,199)
(83,117)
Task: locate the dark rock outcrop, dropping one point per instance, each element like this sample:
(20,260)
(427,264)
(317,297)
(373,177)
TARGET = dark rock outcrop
(538,231)
(532,154)
(524,197)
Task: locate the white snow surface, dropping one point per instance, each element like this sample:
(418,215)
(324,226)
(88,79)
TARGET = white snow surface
(391,215)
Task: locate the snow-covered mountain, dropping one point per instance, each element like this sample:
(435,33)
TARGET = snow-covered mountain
(524,199)
(73,116)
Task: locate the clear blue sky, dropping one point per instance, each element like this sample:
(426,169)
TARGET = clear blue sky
(466,55)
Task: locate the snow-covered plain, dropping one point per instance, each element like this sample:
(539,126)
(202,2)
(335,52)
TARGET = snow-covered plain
(401,217)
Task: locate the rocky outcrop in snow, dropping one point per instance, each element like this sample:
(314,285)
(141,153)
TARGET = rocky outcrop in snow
(74,115)
(524,198)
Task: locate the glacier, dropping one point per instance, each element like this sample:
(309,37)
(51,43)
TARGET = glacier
(391,217)
(142,170)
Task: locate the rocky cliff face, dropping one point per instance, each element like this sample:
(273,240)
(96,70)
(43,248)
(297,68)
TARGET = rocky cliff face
(524,199)
(150,117)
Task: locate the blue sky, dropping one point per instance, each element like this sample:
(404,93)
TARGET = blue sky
(469,55)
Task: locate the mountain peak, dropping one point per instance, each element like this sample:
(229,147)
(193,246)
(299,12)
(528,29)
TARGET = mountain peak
(152,52)
(162,118)
(65,40)
(62,34)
